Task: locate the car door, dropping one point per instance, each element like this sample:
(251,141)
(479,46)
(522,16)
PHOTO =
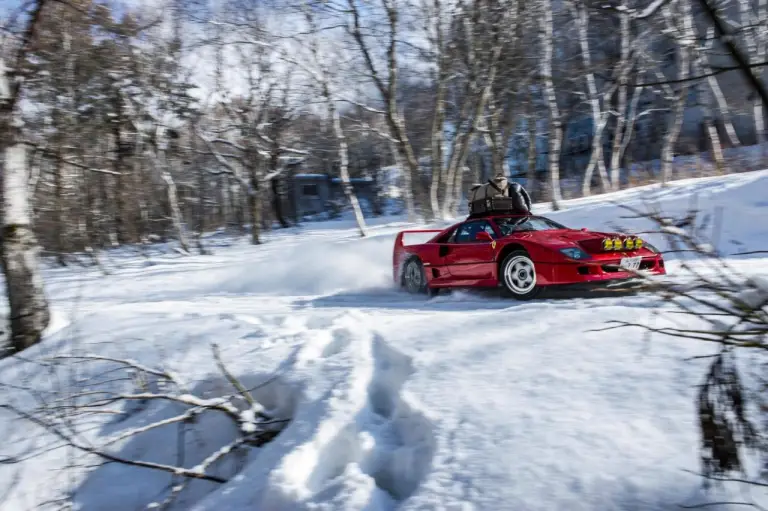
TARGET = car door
(468,259)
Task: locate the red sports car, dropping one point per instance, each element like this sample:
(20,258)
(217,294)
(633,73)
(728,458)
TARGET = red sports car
(522,254)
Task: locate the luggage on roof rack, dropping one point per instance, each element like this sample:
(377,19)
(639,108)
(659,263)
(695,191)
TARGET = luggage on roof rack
(499,196)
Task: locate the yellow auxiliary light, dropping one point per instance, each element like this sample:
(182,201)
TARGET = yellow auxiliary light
(638,244)
(608,244)
(629,243)
(617,243)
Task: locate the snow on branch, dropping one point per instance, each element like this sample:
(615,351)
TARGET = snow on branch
(645,13)
(65,417)
(728,309)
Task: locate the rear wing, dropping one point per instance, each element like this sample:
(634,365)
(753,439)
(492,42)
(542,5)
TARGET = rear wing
(398,249)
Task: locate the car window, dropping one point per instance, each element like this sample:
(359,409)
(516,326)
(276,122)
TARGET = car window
(508,225)
(466,233)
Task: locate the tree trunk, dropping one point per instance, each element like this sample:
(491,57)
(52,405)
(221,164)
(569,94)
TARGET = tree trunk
(714,85)
(531,171)
(756,53)
(438,165)
(438,122)
(277,202)
(176,216)
(406,184)
(344,169)
(673,131)
(546,35)
(61,212)
(463,141)
(254,206)
(705,101)
(630,125)
(621,108)
(760,108)
(118,166)
(599,118)
(201,224)
(29,315)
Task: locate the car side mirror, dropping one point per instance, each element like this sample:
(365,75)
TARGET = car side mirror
(483,236)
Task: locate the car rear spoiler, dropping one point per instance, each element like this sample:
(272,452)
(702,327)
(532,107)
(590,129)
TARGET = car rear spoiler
(398,249)
(399,238)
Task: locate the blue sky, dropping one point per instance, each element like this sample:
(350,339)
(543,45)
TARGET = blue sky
(7,5)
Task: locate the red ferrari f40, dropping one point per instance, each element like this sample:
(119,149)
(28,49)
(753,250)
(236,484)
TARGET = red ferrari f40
(522,254)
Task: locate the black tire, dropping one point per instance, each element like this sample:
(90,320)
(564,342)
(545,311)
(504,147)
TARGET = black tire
(519,283)
(413,278)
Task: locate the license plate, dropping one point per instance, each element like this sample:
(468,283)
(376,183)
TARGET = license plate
(630,263)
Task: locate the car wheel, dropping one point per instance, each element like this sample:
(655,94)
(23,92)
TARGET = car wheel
(414,279)
(518,276)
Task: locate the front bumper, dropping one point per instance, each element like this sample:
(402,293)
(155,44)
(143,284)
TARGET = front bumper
(594,270)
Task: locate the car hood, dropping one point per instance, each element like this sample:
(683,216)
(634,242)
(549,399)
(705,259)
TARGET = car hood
(589,241)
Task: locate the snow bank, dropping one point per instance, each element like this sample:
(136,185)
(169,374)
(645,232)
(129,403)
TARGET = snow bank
(356,440)
(731,210)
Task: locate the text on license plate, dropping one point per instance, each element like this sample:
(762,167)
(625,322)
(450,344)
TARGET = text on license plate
(630,263)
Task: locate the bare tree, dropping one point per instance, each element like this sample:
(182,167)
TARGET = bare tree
(682,61)
(481,32)
(555,137)
(387,86)
(29,313)
(597,101)
(730,311)
(753,35)
(124,389)
(320,72)
(722,104)
(435,19)
(622,91)
(246,141)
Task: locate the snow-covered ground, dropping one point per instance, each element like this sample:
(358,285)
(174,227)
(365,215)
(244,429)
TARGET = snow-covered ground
(465,401)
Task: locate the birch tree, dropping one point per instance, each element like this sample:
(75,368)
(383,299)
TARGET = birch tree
(435,21)
(621,107)
(246,141)
(756,42)
(705,68)
(597,101)
(29,313)
(555,137)
(485,31)
(682,52)
(320,71)
(386,84)
(704,95)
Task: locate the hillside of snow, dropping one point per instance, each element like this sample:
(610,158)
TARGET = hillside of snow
(461,402)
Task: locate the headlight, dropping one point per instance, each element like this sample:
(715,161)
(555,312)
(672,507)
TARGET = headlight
(575,253)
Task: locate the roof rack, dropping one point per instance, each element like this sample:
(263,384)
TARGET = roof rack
(487,214)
